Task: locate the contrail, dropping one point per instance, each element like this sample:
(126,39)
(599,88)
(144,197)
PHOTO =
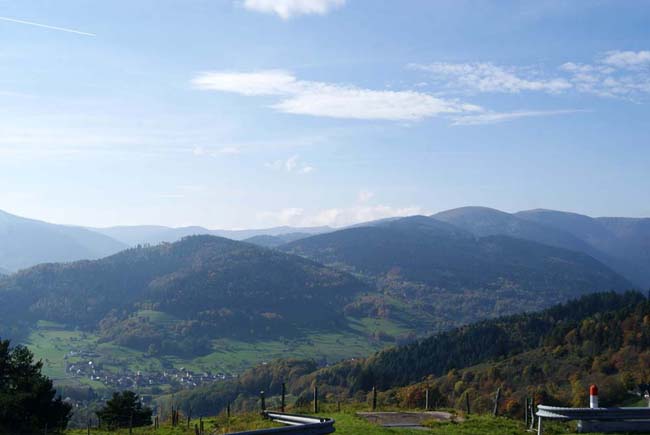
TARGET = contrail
(62,29)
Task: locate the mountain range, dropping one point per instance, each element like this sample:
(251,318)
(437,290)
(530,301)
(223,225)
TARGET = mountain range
(621,243)
(27,242)
(418,273)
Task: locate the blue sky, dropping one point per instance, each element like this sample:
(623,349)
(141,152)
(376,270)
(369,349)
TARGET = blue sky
(255,113)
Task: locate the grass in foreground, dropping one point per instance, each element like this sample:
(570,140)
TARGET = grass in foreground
(348,423)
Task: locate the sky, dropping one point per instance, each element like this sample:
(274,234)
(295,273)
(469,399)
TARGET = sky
(257,113)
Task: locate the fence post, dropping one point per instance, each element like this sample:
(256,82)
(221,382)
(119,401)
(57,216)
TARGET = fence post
(131,424)
(315,399)
(228,410)
(467,402)
(526,409)
(196,429)
(88,427)
(262,401)
(497,398)
(189,417)
(426,399)
(374,398)
(284,392)
(201,425)
(338,406)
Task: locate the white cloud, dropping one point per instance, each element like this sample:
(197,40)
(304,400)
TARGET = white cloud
(291,164)
(365,196)
(269,82)
(488,77)
(216,152)
(335,217)
(621,74)
(331,100)
(290,8)
(627,59)
(497,117)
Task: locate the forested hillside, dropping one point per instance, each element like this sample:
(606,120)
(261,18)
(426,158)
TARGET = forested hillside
(453,275)
(624,243)
(212,287)
(553,354)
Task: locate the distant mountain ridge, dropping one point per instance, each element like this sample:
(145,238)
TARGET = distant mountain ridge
(26,242)
(153,234)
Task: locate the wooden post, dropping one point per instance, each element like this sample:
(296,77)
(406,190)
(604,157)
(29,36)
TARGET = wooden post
(497,398)
(467,402)
(315,399)
(374,398)
(201,425)
(196,429)
(526,409)
(228,410)
(426,399)
(189,417)
(131,424)
(88,427)
(284,392)
(262,401)
(338,406)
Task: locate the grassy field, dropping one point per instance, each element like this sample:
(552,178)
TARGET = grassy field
(55,346)
(348,423)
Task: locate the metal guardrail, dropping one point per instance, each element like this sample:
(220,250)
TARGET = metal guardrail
(295,425)
(597,419)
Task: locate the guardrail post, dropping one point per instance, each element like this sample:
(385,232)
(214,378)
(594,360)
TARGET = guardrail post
(374,398)
(284,391)
(532,412)
(497,398)
(262,401)
(315,399)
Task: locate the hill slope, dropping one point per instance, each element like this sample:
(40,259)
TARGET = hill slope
(553,354)
(623,243)
(483,221)
(454,275)
(213,287)
(275,241)
(26,242)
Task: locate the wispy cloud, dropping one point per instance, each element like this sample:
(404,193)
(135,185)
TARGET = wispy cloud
(292,164)
(335,217)
(488,77)
(286,9)
(498,117)
(622,74)
(331,100)
(627,59)
(46,26)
